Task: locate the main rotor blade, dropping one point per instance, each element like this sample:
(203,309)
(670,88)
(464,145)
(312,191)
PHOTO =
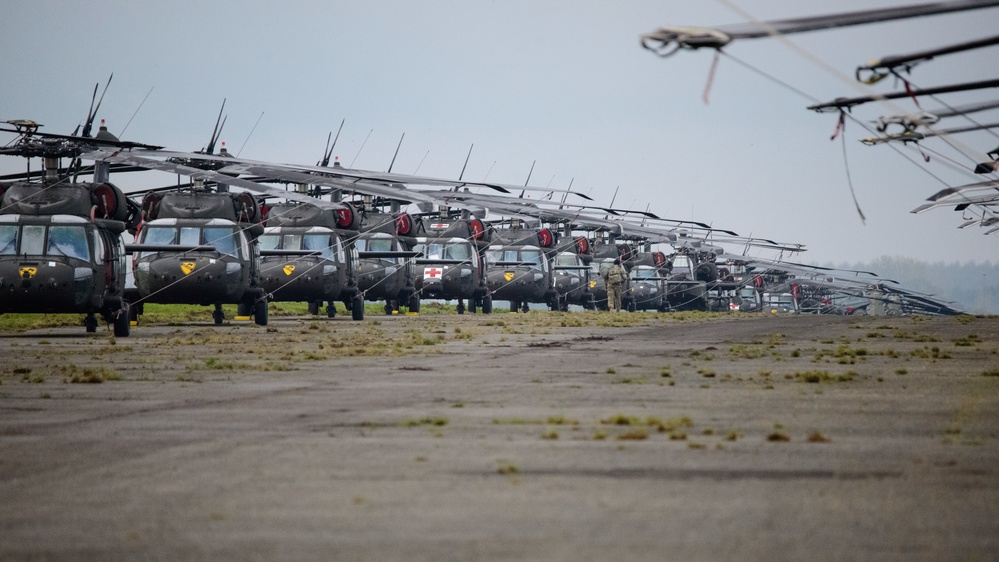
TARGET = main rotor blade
(883,67)
(846,103)
(667,40)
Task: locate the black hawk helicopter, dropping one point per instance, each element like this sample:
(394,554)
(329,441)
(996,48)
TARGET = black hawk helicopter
(386,270)
(520,268)
(308,254)
(453,265)
(61,249)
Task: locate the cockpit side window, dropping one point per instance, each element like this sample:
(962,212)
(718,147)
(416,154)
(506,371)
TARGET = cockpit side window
(8,239)
(318,243)
(434,251)
(380,245)
(534,257)
(222,238)
(69,241)
(159,235)
(458,251)
(269,241)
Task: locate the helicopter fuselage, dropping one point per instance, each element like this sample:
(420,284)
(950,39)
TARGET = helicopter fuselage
(519,274)
(213,262)
(323,276)
(60,264)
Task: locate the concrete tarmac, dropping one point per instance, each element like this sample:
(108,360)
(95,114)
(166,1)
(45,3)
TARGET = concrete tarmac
(539,436)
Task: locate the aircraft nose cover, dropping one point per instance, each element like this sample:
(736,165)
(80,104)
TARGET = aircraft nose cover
(404,224)
(546,238)
(477,229)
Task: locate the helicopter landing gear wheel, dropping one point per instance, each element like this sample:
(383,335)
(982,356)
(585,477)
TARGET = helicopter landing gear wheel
(525,308)
(389,307)
(260,313)
(331,310)
(90,323)
(473,304)
(414,303)
(487,304)
(314,308)
(122,322)
(217,315)
(514,306)
(461,306)
(357,308)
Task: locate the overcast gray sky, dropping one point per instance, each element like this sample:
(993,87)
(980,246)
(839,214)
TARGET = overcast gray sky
(561,82)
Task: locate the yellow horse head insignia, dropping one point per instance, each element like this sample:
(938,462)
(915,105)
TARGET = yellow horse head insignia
(27,272)
(508,275)
(593,284)
(187,267)
(289,269)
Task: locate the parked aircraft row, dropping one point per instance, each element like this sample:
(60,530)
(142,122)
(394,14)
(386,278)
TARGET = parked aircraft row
(248,232)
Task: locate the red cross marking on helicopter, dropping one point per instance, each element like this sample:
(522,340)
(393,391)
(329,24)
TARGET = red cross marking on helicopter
(433,272)
(438,226)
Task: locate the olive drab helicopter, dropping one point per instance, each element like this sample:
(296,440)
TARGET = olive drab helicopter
(647,281)
(520,267)
(307,254)
(453,265)
(572,274)
(386,270)
(200,247)
(61,247)
(690,269)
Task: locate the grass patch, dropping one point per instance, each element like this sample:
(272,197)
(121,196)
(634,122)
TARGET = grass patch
(427,421)
(823,377)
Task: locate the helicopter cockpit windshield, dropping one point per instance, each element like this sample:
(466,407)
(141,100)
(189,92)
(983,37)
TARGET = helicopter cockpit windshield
(377,243)
(456,249)
(68,241)
(531,257)
(8,239)
(644,273)
(226,240)
(567,260)
(313,242)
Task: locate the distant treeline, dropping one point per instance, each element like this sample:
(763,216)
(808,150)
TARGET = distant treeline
(974,287)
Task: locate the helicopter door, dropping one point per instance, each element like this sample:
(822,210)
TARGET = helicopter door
(103,256)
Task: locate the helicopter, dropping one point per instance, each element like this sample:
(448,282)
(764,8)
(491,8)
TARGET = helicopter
(453,265)
(200,247)
(573,275)
(61,247)
(324,270)
(385,270)
(520,269)
(648,282)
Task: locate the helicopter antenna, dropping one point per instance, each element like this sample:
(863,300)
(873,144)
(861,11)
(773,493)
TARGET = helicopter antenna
(612,201)
(566,194)
(136,111)
(528,179)
(421,162)
(396,152)
(218,130)
(362,147)
(251,134)
(462,174)
(329,148)
(93,110)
